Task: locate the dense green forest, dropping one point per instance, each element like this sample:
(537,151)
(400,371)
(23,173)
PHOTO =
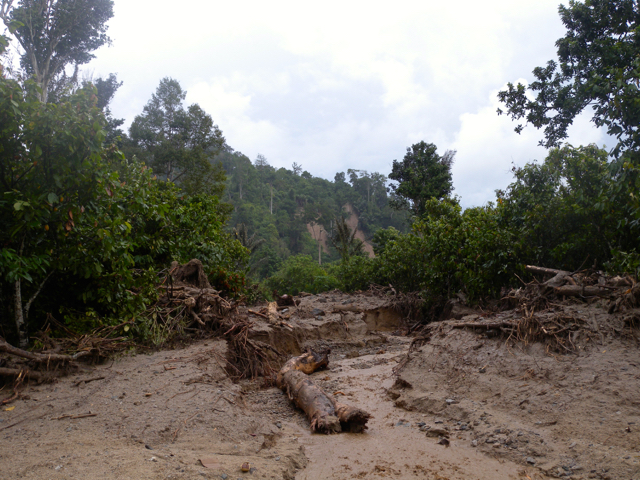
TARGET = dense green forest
(91,215)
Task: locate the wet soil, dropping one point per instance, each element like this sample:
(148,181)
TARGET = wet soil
(458,405)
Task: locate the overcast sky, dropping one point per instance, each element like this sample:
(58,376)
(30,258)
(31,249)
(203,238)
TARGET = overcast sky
(349,84)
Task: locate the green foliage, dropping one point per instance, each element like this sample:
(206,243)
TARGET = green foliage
(599,67)
(563,210)
(382,238)
(278,206)
(56,33)
(78,213)
(422,175)
(300,273)
(447,251)
(354,273)
(178,143)
(344,240)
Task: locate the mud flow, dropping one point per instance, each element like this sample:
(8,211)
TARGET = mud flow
(453,402)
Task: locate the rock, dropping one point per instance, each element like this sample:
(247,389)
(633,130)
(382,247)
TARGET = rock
(278,424)
(316,312)
(277,459)
(474,443)
(224,476)
(450,401)
(437,432)
(531,460)
(443,441)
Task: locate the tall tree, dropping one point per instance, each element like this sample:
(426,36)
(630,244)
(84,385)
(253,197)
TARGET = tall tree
(56,33)
(178,143)
(422,174)
(599,67)
(107,88)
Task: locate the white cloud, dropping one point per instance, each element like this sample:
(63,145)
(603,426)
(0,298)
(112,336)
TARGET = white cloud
(342,85)
(488,147)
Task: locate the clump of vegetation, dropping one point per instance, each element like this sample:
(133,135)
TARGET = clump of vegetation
(301,273)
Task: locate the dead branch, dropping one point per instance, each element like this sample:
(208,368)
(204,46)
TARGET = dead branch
(253,312)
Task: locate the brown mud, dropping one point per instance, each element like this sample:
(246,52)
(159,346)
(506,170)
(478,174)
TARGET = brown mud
(461,403)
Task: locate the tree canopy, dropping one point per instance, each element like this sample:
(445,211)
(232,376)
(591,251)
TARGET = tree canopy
(422,175)
(178,142)
(598,70)
(56,33)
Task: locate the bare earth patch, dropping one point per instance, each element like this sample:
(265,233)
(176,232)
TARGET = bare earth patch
(463,403)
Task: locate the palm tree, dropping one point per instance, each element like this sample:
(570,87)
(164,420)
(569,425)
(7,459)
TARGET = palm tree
(345,241)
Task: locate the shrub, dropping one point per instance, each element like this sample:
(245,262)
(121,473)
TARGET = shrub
(300,273)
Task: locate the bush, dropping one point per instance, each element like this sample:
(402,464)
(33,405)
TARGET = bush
(300,273)
(355,273)
(84,231)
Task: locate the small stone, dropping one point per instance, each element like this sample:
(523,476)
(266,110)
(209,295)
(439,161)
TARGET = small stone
(148,447)
(153,459)
(316,312)
(573,444)
(224,476)
(278,424)
(277,459)
(443,441)
(482,370)
(531,461)
(58,467)
(450,401)
(474,443)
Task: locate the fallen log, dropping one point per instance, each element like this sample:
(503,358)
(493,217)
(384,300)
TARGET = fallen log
(346,308)
(544,270)
(326,414)
(587,291)
(39,357)
(16,372)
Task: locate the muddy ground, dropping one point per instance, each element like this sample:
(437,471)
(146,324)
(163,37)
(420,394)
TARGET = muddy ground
(457,403)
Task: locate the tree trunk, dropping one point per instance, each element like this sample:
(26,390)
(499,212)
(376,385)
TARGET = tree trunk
(20,323)
(325,413)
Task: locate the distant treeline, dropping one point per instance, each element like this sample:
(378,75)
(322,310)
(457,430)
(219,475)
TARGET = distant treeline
(276,205)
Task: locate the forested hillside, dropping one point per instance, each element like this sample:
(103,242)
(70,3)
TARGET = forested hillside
(276,205)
